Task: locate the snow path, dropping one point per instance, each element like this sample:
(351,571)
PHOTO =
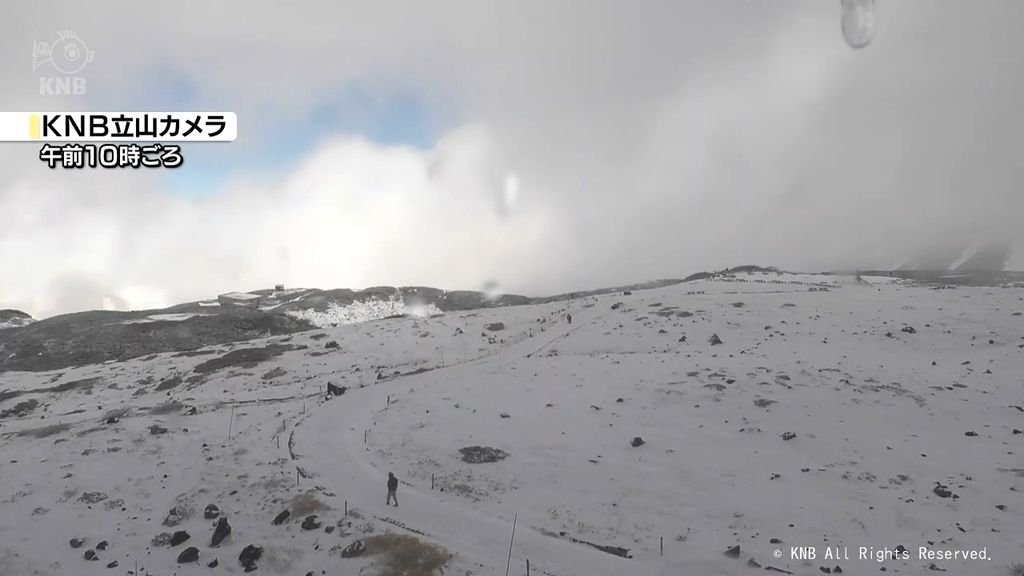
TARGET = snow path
(329,445)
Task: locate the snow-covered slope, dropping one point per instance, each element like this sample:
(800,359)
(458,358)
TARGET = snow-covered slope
(14,319)
(836,411)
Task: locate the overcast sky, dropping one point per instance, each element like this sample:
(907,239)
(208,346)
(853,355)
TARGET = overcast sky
(545,146)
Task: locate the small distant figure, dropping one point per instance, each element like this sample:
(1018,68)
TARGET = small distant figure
(568,318)
(392,489)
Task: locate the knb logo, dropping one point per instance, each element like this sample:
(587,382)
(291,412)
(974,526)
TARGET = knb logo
(67,55)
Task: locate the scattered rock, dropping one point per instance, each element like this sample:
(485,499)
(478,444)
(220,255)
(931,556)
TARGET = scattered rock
(637,442)
(221,532)
(733,552)
(482,454)
(280,518)
(112,565)
(102,545)
(908,330)
(92,497)
(77,542)
(333,344)
(188,555)
(173,518)
(213,563)
(179,537)
(90,555)
(787,436)
(162,539)
(495,326)
(354,550)
(311,523)
(942,491)
(156,430)
(715,340)
(211,511)
(250,554)
(335,390)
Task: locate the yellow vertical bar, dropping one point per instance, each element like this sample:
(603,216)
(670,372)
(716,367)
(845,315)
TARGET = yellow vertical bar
(33,126)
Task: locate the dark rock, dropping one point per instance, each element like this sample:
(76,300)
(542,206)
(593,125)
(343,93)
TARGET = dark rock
(637,442)
(77,542)
(102,545)
(92,497)
(112,565)
(179,537)
(753,563)
(787,436)
(156,430)
(335,390)
(188,555)
(250,554)
(311,523)
(162,539)
(90,555)
(333,344)
(715,340)
(221,532)
(213,563)
(495,326)
(970,433)
(212,511)
(733,552)
(280,518)
(329,529)
(482,454)
(942,491)
(173,518)
(354,549)
(908,330)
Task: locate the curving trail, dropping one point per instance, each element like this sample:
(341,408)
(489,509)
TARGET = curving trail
(329,443)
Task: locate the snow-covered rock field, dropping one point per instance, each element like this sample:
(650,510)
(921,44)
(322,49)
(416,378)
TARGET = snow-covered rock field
(652,435)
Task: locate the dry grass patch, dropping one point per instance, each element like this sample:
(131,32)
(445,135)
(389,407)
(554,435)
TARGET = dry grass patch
(306,503)
(404,555)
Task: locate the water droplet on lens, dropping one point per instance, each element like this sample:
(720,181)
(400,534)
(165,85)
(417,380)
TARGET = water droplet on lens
(858,22)
(491,290)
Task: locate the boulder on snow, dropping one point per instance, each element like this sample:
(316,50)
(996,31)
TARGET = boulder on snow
(637,442)
(311,523)
(495,326)
(280,518)
(248,557)
(211,511)
(220,532)
(354,549)
(715,340)
(335,390)
(179,537)
(188,555)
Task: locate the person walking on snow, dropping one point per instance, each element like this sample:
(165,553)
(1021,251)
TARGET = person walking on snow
(392,489)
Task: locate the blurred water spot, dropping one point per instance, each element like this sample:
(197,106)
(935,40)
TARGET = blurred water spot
(491,290)
(858,22)
(509,195)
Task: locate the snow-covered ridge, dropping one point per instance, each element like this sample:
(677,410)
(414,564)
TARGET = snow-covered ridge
(14,319)
(362,311)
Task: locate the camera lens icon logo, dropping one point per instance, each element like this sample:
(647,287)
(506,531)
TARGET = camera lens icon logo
(68,54)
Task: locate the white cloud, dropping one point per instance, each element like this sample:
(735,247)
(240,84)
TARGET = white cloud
(650,140)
